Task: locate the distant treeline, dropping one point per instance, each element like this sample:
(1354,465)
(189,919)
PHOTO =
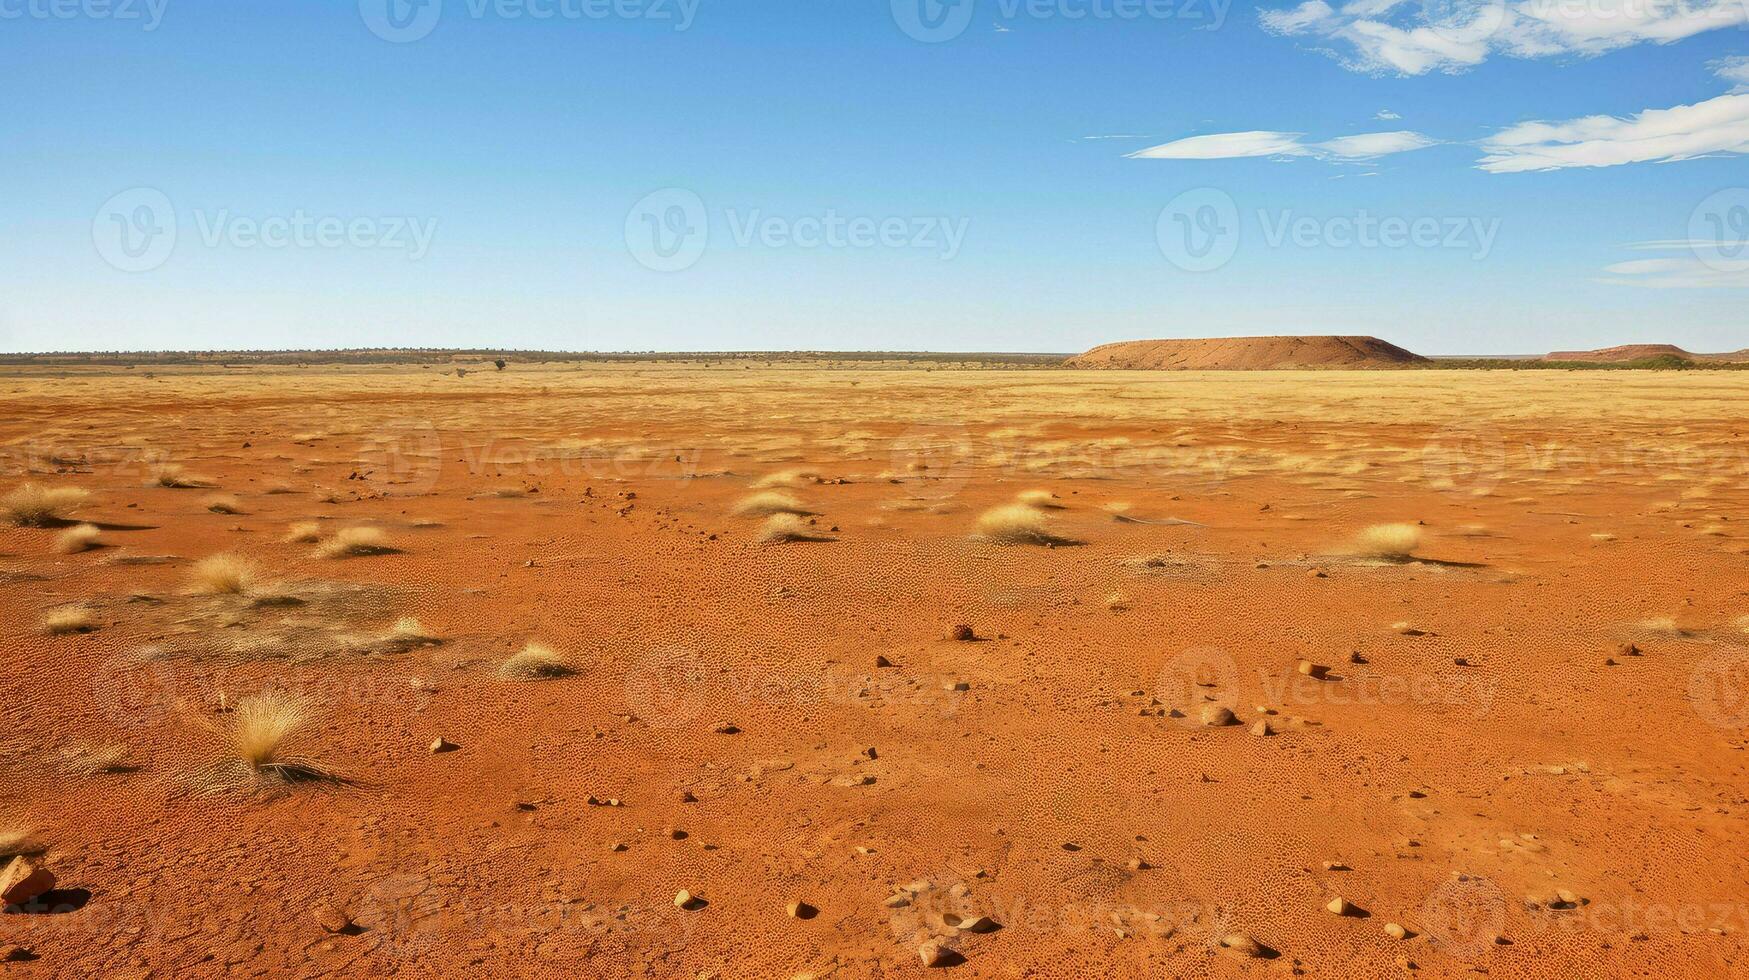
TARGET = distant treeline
(1662,362)
(473,358)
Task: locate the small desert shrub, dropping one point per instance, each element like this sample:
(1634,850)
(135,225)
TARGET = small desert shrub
(769,503)
(536,662)
(305,532)
(69,619)
(223,503)
(1042,499)
(407,634)
(223,575)
(786,478)
(80,537)
(509,493)
(1019,524)
(277,489)
(350,541)
(1396,541)
(92,759)
(257,736)
(175,477)
(788,527)
(32,505)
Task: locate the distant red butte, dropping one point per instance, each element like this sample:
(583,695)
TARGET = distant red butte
(1246,354)
(1637,352)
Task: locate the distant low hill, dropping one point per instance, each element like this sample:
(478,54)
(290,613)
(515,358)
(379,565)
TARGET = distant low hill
(1247,354)
(1641,352)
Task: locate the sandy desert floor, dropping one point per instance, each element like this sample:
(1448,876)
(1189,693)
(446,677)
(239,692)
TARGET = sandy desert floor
(1526,753)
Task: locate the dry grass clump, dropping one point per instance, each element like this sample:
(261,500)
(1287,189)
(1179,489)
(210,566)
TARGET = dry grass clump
(223,503)
(223,575)
(536,662)
(1394,541)
(1019,524)
(786,478)
(1042,499)
(175,477)
(256,737)
(780,528)
(407,634)
(94,759)
(79,537)
(304,532)
(349,542)
(33,505)
(69,619)
(16,839)
(771,502)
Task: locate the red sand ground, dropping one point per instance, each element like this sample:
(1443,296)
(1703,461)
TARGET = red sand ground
(1455,779)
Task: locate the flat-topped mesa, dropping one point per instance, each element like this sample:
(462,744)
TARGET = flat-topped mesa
(1625,352)
(1247,354)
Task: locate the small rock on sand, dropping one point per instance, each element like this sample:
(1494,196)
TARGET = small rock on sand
(935,953)
(442,745)
(330,918)
(684,899)
(1395,931)
(1261,729)
(978,923)
(1241,944)
(962,633)
(1314,671)
(1215,715)
(1341,906)
(798,909)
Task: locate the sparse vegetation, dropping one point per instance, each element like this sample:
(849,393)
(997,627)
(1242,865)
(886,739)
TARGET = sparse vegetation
(95,759)
(788,527)
(258,734)
(349,542)
(223,503)
(771,502)
(536,662)
(1042,499)
(1390,541)
(34,505)
(80,537)
(223,575)
(69,619)
(304,532)
(173,476)
(1019,524)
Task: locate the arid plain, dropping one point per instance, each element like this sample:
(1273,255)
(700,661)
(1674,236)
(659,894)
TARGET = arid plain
(1015,672)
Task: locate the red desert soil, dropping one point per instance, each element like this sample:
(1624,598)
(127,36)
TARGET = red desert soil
(1485,762)
(1246,354)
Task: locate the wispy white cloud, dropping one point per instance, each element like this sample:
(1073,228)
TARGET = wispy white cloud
(1413,38)
(1734,70)
(1264,143)
(1386,115)
(1715,126)
(1700,271)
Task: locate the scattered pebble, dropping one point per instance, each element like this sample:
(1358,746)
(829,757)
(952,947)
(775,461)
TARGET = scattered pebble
(1215,715)
(935,953)
(1396,931)
(686,900)
(442,745)
(24,879)
(331,919)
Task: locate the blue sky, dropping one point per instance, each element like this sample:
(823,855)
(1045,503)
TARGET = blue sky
(697,174)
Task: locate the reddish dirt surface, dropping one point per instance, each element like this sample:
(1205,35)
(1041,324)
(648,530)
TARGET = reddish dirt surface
(1246,354)
(1454,774)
